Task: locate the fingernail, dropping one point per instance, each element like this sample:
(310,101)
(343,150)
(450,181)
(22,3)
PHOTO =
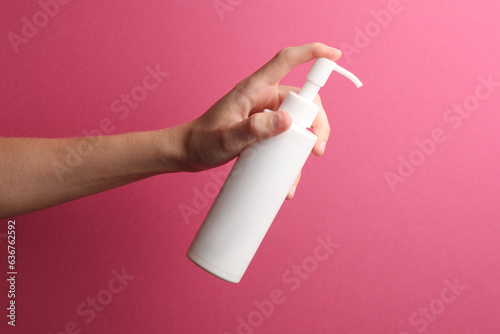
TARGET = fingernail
(278,121)
(322,146)
(292,191)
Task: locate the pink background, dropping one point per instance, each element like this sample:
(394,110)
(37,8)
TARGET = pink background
(399,250)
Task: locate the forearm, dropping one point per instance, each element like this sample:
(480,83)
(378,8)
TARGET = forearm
(39,173)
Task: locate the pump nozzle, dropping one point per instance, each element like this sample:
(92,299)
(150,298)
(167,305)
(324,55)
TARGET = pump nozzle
(300,106)
(319,73)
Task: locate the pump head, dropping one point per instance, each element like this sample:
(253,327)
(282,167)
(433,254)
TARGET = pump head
(300,106)
(319,73)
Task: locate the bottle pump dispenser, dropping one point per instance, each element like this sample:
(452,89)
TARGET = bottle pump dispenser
(259,183)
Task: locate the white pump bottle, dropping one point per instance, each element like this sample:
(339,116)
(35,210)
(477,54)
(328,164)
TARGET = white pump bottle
(259,183)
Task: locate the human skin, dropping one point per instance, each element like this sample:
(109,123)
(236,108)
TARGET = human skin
(28,181)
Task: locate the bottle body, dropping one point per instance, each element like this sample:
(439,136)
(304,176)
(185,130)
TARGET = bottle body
(248,203)
(258,184)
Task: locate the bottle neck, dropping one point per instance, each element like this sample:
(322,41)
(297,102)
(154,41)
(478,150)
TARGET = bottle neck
(309,91)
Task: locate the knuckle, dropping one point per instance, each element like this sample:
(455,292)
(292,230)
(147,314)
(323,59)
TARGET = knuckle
(243,91)
(316,45)
(244,85)
(248,92)
(323,130)
(283,54)
(283,51)
(252,126)
(326,128)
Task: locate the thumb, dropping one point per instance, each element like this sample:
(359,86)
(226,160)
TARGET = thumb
(264,125)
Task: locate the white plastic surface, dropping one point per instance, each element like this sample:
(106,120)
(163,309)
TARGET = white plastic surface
(322,68)
(258,184)
(248,203)
(303,112)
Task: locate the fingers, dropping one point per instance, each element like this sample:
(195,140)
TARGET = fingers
(321,128)
(291,193)
(274,70)
(283,91)
(257,127)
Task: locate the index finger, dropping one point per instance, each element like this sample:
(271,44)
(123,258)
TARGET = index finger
(275,69)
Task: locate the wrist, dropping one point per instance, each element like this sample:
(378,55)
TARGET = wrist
(172,148)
